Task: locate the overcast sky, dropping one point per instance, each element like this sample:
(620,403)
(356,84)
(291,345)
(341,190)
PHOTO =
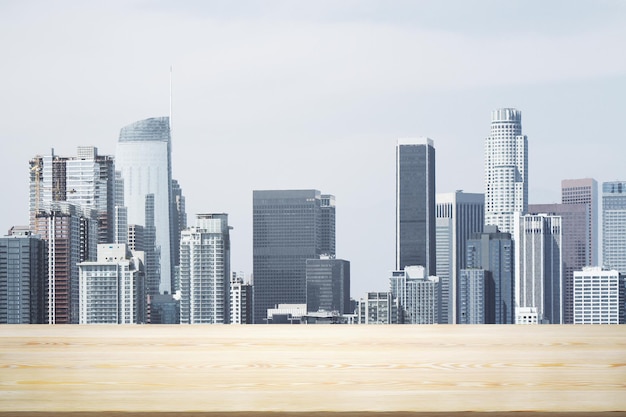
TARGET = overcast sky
(314,94)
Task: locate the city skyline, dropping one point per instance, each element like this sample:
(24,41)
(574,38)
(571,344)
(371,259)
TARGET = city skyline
(315,98)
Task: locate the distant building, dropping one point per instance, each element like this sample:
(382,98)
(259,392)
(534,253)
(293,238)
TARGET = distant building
(539,277)
(205,271)
(112,289)
(377,308)
(163,309)
(328,285)
(416,295)
(599,296)
(506,170)
(527,315)
(415,204)
(476,297)
(286,314)
(289,227)
(459,215)
(240,300)
(585,191)
(23,275)
(614,225)
(493,251)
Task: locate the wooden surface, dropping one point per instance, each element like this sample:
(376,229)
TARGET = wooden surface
(312,368)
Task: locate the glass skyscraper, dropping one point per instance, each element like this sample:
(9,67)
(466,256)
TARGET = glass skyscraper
(288,229)
(415,204)
(614,225)
(506,170)
(143,156)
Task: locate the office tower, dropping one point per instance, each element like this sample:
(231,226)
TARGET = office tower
(87,180)
(598,296)
(493,251)
(458,215)
(143,156)
(539,278)
(377,308)
(205,271)
(121,212)
(151,248)
(71,235)
(179,220)
(240,300)
(476,297)
(576,248)
(112,288)
(286,232)
(416,295)
(328,224)
(614,225)
(415,204)
(585,191)
(328,285)
(163,309)
(23,273)
(506,170)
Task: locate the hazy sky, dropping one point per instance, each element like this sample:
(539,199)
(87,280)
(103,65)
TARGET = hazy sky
(314,94)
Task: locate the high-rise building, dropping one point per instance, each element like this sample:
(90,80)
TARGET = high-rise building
(506,170)
(328,224)
(476,297)
(87,180)
(415,204)
(614,225)
(458,215)
(377,308)
(23,274)
(287,230)
(598,296)
(416,295)
(143,156)
(328,285)
(539,277)
(493,251)
(205,271)
(179,219)
(240,300)
(576,248)
(585,191)
(112,288)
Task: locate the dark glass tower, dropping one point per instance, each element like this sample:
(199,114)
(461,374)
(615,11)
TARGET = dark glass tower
(415,204)
(287,230)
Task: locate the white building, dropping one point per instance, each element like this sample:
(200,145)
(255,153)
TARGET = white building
(112,288)
(506,170)
(416,295)
(377,308)
(598,296)
(240,300)
(205,271)
(539,273)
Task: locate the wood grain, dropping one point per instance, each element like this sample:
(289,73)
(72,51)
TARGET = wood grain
(312,368)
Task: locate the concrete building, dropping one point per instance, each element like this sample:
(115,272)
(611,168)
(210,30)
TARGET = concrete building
(416,295)
(476,297)
(328,285)
(205,271)
(599,296)
(287,230)
(377,308)
(112,288)
(241,301)
(585,191)
(614,225)
(143,156)
(506,170)
(539,277)
(23,274)
(576,245)
(494,252)
(458,215)
(415,204)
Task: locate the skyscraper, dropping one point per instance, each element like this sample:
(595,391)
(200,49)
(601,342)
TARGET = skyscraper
(328,285)
(458,215)
(476,296)
(614,225)
(287,230)
(205,271)
(585,191)
(415,204)
(416,295)
(506,170)
(143,157)
(539,278)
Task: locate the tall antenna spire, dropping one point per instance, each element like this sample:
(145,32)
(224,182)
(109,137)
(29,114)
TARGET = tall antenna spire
(170,100)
